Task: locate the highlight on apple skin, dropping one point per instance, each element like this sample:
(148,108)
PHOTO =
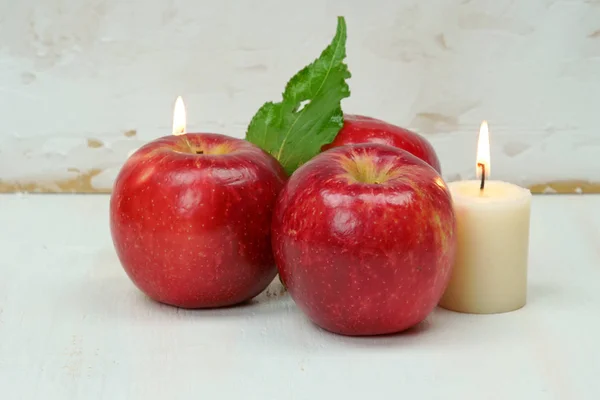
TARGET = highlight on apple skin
(190,219)
(364,237)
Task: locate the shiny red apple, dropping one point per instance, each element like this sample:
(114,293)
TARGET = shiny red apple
(190,218)
(361,129)
(364,239)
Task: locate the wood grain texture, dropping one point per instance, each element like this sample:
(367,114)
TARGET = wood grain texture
(72,326)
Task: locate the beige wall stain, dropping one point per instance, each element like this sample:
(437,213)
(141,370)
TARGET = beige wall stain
(441,41)
(94,143)
(566,187)
(82,183)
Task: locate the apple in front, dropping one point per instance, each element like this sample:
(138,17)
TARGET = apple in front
(364,239)
(360,129)
(190,218)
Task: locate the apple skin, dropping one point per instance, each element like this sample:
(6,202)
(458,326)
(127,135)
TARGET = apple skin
(360,129)
(193,230)
(360,257)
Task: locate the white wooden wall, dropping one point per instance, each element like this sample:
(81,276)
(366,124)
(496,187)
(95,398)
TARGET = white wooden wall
(77,75)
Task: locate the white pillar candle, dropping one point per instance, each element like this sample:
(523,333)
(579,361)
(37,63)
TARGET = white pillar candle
(490,270)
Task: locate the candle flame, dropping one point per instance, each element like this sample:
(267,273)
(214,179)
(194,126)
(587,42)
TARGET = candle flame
(179,118)
(483,151)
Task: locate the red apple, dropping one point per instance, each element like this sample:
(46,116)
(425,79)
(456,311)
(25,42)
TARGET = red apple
(361,129)
(364,239)
(190,218)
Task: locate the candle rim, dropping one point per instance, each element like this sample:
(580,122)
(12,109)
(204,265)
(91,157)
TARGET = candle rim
(517,195)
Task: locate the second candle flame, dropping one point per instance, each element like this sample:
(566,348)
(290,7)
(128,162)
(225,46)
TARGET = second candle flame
(179,118)
(483,151)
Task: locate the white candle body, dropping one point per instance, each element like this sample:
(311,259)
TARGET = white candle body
(490,271)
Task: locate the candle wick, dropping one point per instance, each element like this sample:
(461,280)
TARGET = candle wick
(482,165)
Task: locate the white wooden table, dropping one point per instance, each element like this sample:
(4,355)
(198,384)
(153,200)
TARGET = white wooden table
(72,326)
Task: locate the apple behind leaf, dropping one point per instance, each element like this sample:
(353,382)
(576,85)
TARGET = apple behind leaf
(360,129)
(364,239)
(190,219)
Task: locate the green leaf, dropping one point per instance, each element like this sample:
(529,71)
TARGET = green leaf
(294,134)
